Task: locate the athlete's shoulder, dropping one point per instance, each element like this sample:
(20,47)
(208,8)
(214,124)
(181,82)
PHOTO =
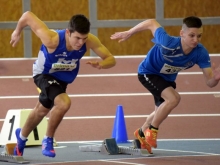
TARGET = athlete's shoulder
(161,37)
(61,36)
(160,30)
(92,37)
(201,48)
(92,41)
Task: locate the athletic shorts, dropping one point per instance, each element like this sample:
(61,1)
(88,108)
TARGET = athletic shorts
(155,84)
(50,88)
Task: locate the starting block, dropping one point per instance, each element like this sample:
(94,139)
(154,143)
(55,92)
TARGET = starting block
(110,147)
(7,155)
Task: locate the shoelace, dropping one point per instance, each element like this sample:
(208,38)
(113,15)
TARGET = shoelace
(21,143)
(48,143)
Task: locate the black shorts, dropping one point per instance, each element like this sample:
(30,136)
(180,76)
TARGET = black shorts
(50,88)
(155,84)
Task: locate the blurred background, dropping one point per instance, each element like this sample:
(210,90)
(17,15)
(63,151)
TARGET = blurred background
(108,17)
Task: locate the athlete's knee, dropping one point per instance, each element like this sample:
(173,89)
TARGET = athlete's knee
(62,101)
(177,98)
(174,99)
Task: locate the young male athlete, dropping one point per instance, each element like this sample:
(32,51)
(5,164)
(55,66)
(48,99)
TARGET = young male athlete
(158,71)
(57,66)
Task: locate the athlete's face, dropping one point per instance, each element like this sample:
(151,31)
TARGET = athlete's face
(76,40)
(191,36)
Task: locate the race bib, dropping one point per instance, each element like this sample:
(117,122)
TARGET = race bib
(63,65)
(169,69)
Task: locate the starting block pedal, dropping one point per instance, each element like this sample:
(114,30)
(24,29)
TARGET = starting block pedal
(9,149)
(7,155)
(109,146)
(136,144)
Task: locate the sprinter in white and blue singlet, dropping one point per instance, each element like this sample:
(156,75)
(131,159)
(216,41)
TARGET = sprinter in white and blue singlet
(57,66)
(158,71)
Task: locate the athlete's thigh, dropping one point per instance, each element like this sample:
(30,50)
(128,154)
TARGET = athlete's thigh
(155,84)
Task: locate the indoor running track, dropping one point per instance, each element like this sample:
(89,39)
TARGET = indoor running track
(190,135)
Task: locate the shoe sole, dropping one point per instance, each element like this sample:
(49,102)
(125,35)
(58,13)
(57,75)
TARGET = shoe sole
(51,156)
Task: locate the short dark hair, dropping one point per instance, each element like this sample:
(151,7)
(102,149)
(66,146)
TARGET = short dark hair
(79,23)
(192,22)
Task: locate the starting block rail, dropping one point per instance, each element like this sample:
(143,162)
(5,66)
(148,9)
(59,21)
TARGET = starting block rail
(109,146)
(13,159)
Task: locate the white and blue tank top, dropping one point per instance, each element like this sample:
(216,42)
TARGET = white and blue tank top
(61,64)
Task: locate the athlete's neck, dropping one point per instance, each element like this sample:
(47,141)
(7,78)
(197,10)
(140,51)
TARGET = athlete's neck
(68,46)
(185,48)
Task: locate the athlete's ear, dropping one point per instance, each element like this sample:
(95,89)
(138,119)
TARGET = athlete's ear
(181,33)
(68,32)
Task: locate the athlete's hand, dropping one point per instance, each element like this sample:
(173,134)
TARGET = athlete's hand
(15,37)
(122,36)
(216,72)
(95,64)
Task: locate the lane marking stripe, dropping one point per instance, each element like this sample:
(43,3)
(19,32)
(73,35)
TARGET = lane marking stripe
(166,140)
(98,75)
(136,116)
(88,57)
(111,95)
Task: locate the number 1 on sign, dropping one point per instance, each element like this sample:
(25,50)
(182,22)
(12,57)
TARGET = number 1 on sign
(12,125)
(35,131)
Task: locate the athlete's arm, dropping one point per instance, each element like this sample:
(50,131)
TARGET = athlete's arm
(149,24)
(212,76)
(48,37)
(108,59)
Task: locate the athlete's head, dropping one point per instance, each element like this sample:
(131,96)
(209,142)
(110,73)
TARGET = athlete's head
(78,30)
(191,32)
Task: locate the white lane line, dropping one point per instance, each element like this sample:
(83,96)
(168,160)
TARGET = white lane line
(119,161)
(135,116)
(142,116)
(89,161)
(178,156)
(165,140)
(194,152)
(98,75)
(89,57)
(209,139)
(135,158)
(111,95)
